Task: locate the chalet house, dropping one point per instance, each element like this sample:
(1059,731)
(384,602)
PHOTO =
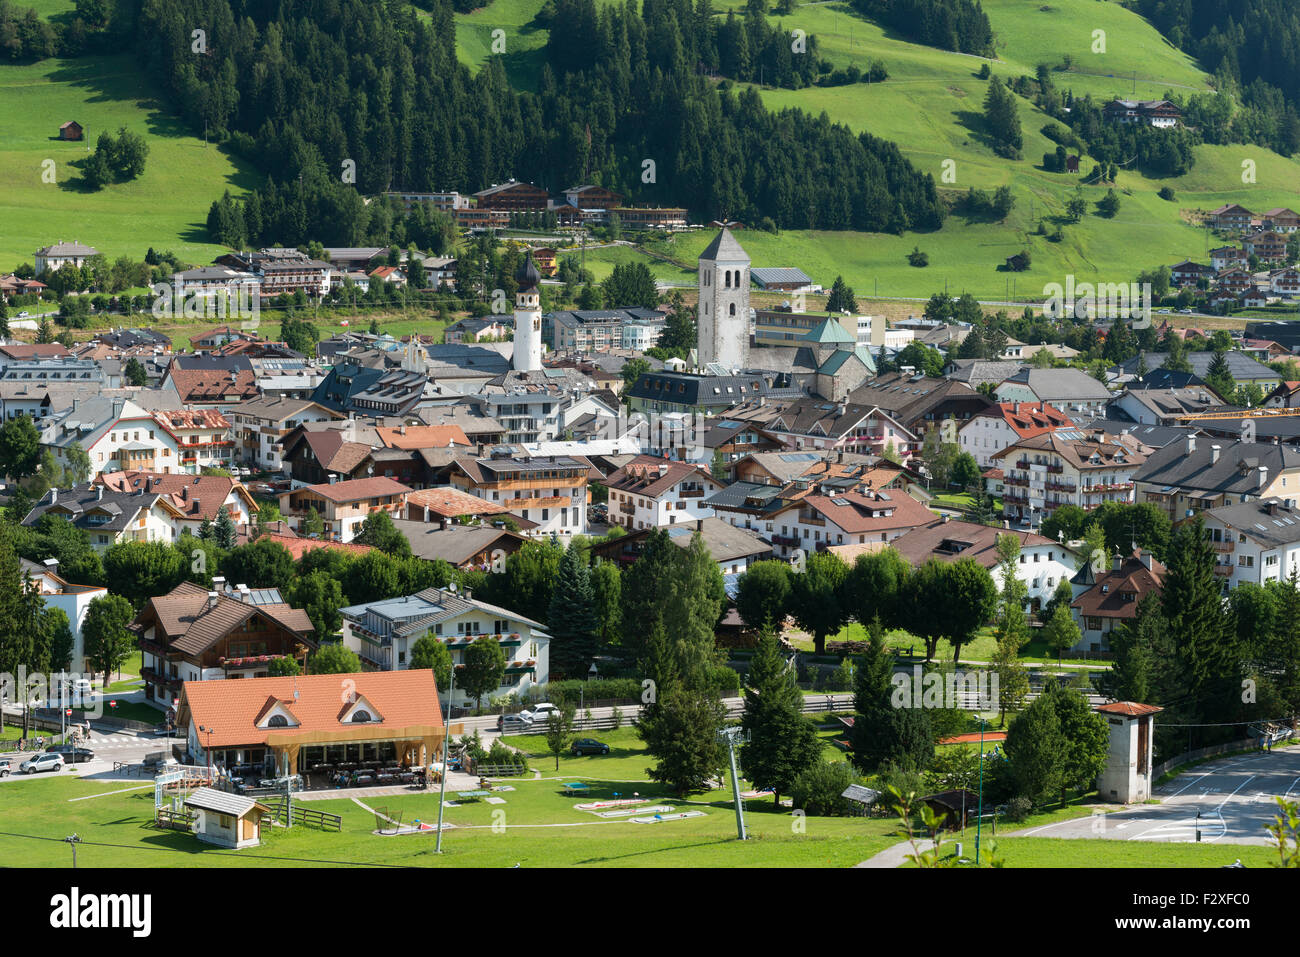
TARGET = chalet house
(1256,541)
(447,503)
(549,490)
(203,437)
(70,130)
(1068,390)
(1188,273)
(1231,217)
(11,286)
(482,547)
(350,387)
(344,505)
(1006,423)
(1066,468)
(280,276)
(108,517)
(297,724)
(1268,246)
(193,634)
(393,275)
(853,427)
(191,500)
(260,426)
(210,382)
(219,286)
(918,403)
(215,338)
(1281,220)
(1285,282)
(733,548)
(384,632)
(1158,113)
(1194,475)
(1108,598)
(638,217)
(513,197)
(592,197)
(118,435)
(1234,281)
(648,492)
(1042,565)
(1226,257)
(55,256)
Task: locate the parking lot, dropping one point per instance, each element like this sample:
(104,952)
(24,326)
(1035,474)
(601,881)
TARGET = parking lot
(1234,798)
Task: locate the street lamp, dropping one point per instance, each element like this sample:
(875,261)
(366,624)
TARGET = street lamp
(208,749)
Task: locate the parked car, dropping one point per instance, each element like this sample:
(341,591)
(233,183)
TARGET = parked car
(6,768)
(71,754)
(515,722)
(42,762)
(540,712)
(588,746)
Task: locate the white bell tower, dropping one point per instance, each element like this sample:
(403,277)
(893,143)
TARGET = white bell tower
(528,318)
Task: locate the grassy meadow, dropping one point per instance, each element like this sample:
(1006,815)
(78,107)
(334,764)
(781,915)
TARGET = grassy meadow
(165,208)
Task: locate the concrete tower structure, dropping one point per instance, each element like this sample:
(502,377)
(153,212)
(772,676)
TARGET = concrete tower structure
(723,315)
(528,318)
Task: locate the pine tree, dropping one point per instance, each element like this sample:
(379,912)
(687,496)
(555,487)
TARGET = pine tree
(572,618)
(782,743)
(224,531)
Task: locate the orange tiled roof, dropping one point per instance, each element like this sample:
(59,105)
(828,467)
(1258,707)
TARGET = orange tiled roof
(402,699)
(451,502)
(423,437)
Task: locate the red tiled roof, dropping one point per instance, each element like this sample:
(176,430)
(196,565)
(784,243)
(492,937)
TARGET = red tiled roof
(451,502)
(356,489)
(196,385)
(423,437)
(1130,709)
(855,515)
(181,491)
(400,699)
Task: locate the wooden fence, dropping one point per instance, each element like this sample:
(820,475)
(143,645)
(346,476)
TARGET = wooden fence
(165,817)
(308,817)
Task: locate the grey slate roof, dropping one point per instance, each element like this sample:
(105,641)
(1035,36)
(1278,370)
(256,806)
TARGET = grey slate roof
(780,275)
(724,248)
(1270,521)
(1240,365)
(1236,471)
(1060,385)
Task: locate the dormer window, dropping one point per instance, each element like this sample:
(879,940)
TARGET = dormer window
(360,717)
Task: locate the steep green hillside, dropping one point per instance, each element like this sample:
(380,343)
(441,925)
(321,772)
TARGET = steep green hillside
(165,208)
(931,106)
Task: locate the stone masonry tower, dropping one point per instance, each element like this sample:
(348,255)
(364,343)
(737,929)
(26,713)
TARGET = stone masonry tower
(724,303)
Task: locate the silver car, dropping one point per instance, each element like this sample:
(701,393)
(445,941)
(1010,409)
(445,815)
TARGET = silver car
(42,762)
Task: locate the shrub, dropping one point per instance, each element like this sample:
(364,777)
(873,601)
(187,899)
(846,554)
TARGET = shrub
(617,715)
(1166,192)
(725,681)
(1018,808)
(817,791)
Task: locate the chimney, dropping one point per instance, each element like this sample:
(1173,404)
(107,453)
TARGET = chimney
(1270,507)
(54,495)
(1214,454)
(212,599)
(333,478)
(198,506)
(1116,563)
(944,519)
(1145,557)
(219,582)
(99,492)
(51,565)
(1191,444)
(1263,476)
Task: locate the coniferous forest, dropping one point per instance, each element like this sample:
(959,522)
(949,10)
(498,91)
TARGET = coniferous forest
(300,87)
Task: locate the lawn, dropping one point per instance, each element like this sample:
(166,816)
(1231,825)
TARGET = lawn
(541,828)
(1086,852)
(626,761)
(165,208)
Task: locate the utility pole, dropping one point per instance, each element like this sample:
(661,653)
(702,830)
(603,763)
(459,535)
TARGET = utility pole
(979,820)
(731,734)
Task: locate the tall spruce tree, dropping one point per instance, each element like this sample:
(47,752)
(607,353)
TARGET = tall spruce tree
(782,742)
(572,617)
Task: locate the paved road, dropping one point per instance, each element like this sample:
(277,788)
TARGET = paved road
(1235,799)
